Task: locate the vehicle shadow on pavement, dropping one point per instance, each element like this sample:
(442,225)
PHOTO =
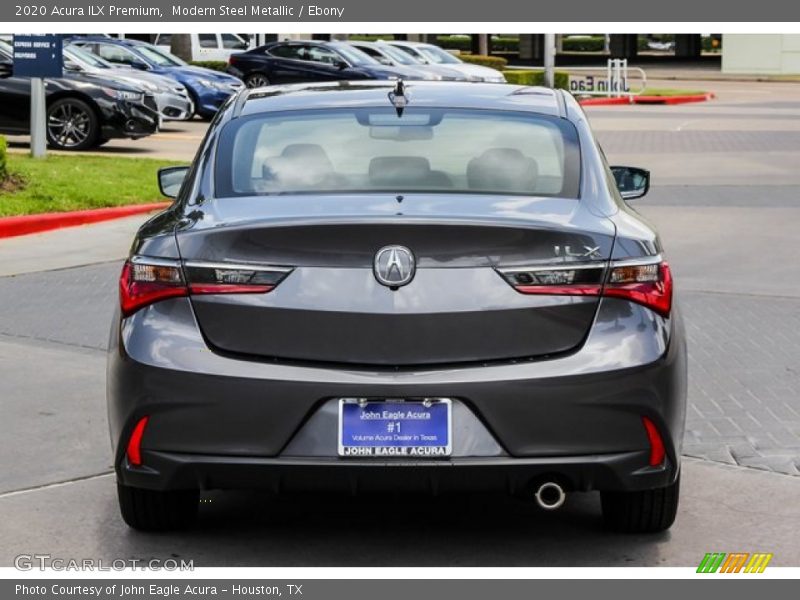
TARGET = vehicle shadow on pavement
(409,529)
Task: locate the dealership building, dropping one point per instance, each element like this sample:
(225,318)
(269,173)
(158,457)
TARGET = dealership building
(760,54)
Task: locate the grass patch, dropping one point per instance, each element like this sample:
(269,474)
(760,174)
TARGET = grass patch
(672,92)
(61,183)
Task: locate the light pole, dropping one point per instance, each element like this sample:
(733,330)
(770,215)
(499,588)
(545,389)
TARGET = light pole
(549,59)
(38,119)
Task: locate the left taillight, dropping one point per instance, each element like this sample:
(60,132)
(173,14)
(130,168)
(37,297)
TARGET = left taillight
(647,282)
(145,280)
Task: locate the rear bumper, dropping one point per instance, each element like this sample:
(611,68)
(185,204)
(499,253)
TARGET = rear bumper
(622,471)
(222,422)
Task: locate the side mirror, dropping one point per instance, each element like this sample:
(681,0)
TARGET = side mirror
(632,182)
(341,65)
(170,180)
(140,65)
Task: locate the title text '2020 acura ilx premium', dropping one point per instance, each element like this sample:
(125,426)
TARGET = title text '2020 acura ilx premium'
(375,286)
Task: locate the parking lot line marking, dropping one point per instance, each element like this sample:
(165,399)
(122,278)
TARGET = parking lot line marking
(176,136)
(57,484)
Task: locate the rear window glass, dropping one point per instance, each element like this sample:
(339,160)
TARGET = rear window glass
(424,150)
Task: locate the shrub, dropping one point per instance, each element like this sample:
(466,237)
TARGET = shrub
(214,65)
(531,77)
(463,43)
(504,44)
(494,62)
(454,42)
(370,37)
(595,43)
(3,164)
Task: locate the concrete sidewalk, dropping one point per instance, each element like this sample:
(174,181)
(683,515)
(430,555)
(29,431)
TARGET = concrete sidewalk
(69,247)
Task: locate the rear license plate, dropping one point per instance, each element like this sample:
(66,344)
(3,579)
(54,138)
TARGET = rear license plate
(404,428)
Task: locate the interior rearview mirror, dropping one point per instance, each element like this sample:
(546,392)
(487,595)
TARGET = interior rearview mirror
(170,180)
(632,182)
(404,133)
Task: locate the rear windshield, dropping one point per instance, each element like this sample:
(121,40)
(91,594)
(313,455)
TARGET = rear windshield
(424,150)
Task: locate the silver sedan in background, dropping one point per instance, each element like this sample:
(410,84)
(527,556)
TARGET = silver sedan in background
(172,99)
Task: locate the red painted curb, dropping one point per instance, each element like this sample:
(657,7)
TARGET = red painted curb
(25,224)
(672,99)
(606,101)
(647,100)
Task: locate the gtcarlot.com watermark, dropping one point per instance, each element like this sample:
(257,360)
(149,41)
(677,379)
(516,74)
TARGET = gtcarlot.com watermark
(30,562)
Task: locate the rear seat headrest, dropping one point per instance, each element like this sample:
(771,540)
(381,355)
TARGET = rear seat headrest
(399,170)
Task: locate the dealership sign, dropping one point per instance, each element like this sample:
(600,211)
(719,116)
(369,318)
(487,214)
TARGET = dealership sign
(38,56)
(616,79)
(594,84)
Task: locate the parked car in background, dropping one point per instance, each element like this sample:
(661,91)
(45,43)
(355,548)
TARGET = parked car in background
(433,55)
(208,46)
(386,54)
(172,98)
(309,61)
(84,110)
(207,88)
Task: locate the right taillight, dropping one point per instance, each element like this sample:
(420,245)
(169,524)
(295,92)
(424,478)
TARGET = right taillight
(646,282)
(146,280)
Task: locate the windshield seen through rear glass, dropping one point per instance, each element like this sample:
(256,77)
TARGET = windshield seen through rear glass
(424,150)
(160,58)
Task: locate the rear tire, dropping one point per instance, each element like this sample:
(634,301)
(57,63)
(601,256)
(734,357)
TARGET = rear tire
(646,511)
(152,510)
(256,80)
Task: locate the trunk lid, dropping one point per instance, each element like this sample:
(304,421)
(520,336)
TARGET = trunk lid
(332,309)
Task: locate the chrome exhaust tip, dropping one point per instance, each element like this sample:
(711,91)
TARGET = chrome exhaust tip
(550,495)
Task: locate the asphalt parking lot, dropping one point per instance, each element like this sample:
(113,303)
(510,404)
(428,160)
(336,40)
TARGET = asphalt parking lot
(725,200)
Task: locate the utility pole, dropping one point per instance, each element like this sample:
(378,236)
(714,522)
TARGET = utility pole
(549,59)
(38,119)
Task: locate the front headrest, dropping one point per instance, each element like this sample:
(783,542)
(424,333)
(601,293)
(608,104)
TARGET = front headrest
(502,169)
(298,164)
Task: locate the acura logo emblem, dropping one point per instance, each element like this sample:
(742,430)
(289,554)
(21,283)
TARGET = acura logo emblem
(394,266)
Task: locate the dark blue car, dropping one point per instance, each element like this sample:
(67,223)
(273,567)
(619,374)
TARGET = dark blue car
(208,88)
(311,61)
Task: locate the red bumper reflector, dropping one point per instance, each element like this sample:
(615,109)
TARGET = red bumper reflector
(134,451)
(657,451)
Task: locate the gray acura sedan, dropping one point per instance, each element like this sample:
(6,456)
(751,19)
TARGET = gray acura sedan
(385,286)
